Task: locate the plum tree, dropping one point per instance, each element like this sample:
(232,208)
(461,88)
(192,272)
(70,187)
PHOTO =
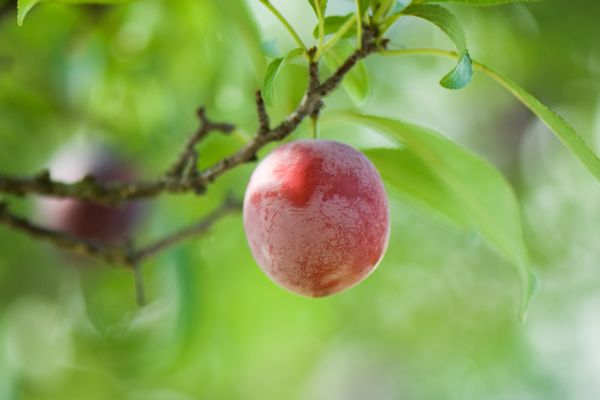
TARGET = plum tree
(85,219)
(315,212)
(316,217)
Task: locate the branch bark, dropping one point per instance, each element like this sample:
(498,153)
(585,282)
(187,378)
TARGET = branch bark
(125,254)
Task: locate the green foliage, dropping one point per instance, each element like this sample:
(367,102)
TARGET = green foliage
(561,128)
(565,133)
(364,5)
(439,175)
(461,75)
(323,6)
(475,2)
(134,75)
(334,23)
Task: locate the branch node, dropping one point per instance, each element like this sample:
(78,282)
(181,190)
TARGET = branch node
(263,117)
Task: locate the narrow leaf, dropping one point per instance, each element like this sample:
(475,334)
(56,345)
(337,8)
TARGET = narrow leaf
(561,128)
(475,2)
(269,81)
(313,4)
(453,182)
(334,23)
(461,75)
(23,8)
(364,6)
(273,70)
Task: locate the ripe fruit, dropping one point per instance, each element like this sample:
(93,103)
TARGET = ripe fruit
(87,220)
(316,217)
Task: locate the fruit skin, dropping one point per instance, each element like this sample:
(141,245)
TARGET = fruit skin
(316,217)
(88,220)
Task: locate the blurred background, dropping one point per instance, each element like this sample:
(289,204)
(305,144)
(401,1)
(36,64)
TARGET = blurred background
(437,320)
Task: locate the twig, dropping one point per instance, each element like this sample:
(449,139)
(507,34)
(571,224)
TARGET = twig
(75,245)
(124,254)
(229,205)
(206,126)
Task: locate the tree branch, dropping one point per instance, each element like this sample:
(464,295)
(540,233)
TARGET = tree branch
(182,177)
(90,189)
(125,254)
(75,245)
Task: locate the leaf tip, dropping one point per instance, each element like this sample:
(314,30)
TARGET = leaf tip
(23,8)
(460,76)
(529,292)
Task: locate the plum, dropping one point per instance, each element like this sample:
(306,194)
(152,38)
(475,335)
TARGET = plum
(316,217)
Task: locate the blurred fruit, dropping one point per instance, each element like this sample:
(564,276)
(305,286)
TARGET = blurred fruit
(88,220)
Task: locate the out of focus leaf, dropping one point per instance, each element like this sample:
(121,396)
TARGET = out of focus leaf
(273,69)
(24,6)
(461,75)
(356,82)
(561,128)
(323,4)
(448,179)
(334,23)
(475,2)
(364,5)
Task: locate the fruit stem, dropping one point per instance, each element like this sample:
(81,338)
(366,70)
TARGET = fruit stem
(315,126)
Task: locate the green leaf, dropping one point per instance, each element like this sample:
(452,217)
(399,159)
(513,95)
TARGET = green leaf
(561,128)
(313,4)
(24,6)
(401,5)
(443,177)
(475,2)
(405,171)
(356,82)
(461,75)
(333,24)
(273,69)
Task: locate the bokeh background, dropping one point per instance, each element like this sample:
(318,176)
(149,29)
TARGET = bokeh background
(437,320)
